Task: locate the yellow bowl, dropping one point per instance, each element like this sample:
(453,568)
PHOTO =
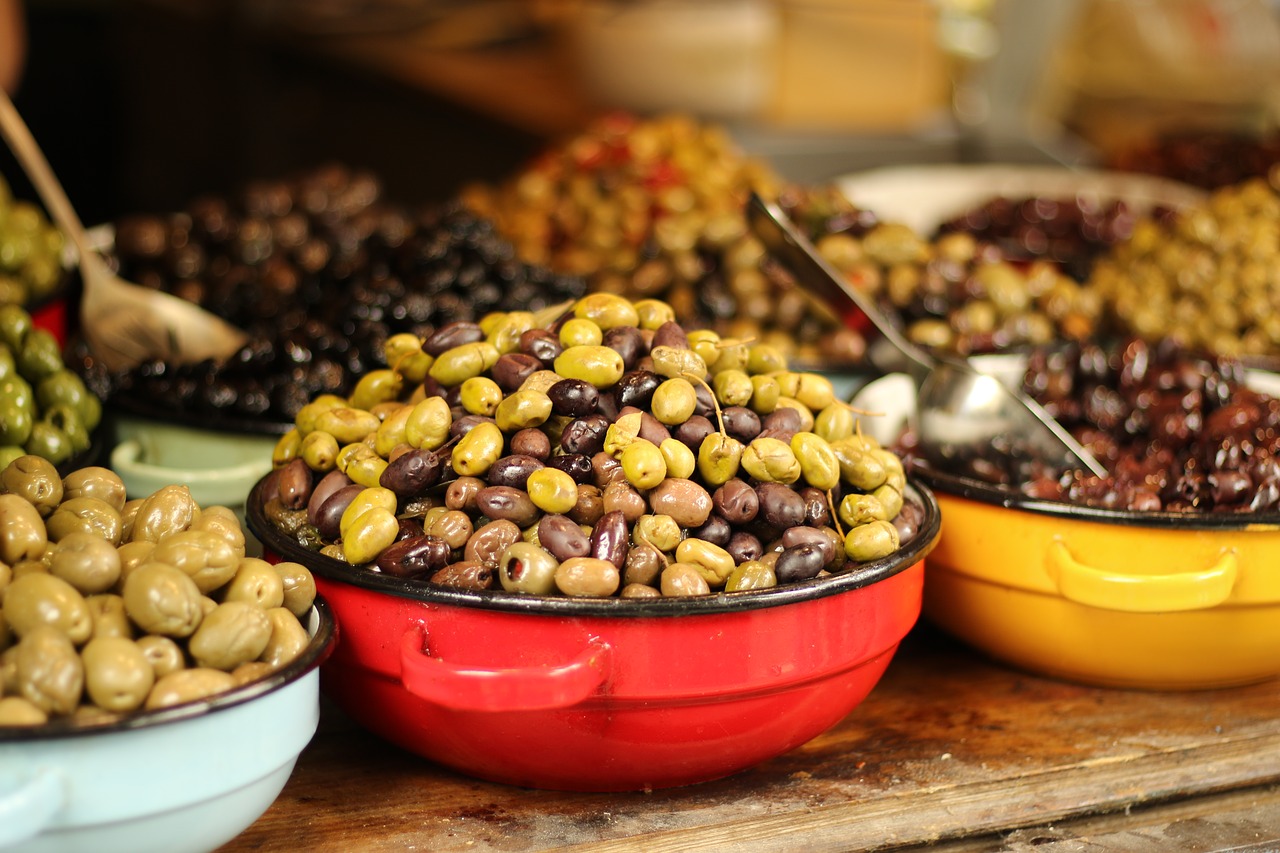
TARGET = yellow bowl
(1158,601)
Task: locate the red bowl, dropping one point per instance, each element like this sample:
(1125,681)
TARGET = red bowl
(608,694)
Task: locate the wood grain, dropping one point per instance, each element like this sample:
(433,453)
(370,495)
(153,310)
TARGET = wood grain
(948,746)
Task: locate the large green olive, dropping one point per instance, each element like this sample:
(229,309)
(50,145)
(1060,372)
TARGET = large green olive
(369,534)
(162,600)
(40,355)
(235,632)
(49,440)
(109,617)
(22,530)
(35,479)
(299,587)
(65,388)
(15,323)
(67,420)
(85,515)
(167,510)
(17,410)
(88,562)
(117,675)
(205,557)
(95,482)
(288,638)
(223,522)
(49,673)
(39,598)
(187,685)
(256,582)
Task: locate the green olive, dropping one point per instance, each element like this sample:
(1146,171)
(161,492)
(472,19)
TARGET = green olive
(109,617)
(15,323)
(117,675)
(607,310)
(659,530)
(40,355)
(16,711)
(871,541)
(17,410)
(771,460)
(320,451)
(599,365)
(714,563)
(95,482)
(50,441)
(363,465)
(525,567)
(858,509)
(732,387)
(457,365)
(187,685)
(764,358)
(859,468)
(287,448)
(622,432)
(64,387)
(579,332)
(718,458)
(67,420)
(652,313)
(369,534)
(347,424)
(34,479)
(288,638)
(818,463)
(161,599)
(49,672)
(643,464)
(765,393)
(704,343)
(673,361)
(475,452)
(522,410)
(681,463)
(428,425)
(834,422)
(505,335)
(23,535)
(88,562)
(164,655)
(376,386)
(480,395)
(305,420)
(674,401)
(206,558)
(552,490)
(299,587)
(891,499)
(258,583)
(369,498)
(235,632)
(85,515)
(42,599)
(752,574)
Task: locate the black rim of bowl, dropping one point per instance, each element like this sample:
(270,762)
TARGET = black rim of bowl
(312,656)
(953,485)
(866,574)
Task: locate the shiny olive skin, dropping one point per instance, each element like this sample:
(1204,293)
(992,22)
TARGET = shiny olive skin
(682,579)
(684,500)
(48,671)
(36,480)
(527,568)
(40,599)
(871,541)
(207,558)
(87,562)
(413,472)
(288,638)
(117,674)
(416,557)
(299,587)
(109,617)
(235,632)
(294,484)
(187,685)
(488,543)
(507,503)
(23,535)
(255,582)
(164,655)
(167,510)
(587,577)
(162,600)
(328,485)
(552,490)
(328,518)
(85,515)
(465,574)
(370,533)
(562,537)
(800,562)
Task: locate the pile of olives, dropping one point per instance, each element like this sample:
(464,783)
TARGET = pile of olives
(1207,279)
(960,295)
(1205,158)
(320,270)
(111,606)
(31,267)
(45,408)
(654,208)
(594,451)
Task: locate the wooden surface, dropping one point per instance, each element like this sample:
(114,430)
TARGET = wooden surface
(949,750)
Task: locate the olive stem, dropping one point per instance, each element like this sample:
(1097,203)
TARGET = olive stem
(835,516)
(714,402)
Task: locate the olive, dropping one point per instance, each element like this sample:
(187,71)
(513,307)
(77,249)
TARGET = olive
(871,541)
(711,561)
(48,671)
(476,451)
(187,685)
(660,531)
(162,600)
(480,395)
(596,365)
(85,515)
(369,534)
(167,510)
(164,655)
(682,579)
(580,332)
(413,472)
(207,558)
(488,543)
(587,577)
(109,617)
(86,561)
(255,582)
(800,562)
(752,574)
(117,675)
(573,397)
(299,587)
(16,711)
(527,568)
(22,531)
(235,632)
(36,599)
(36,480)
(288,638)
(684,500)
(429,424)
(414,557)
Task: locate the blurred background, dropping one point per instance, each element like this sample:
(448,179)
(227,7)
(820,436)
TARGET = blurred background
(143,104)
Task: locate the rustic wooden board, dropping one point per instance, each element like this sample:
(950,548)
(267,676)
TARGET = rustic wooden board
(948,746)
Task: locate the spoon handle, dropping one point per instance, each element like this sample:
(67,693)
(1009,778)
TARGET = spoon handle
(822,281)
(23,144)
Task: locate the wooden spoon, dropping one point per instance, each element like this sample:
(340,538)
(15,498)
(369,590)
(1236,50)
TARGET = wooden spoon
(124,324)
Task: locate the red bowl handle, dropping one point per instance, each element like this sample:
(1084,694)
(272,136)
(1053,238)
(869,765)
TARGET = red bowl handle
(464,687)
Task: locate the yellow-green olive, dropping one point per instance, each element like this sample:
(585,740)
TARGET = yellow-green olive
(117,675)
(475,452)
(376,386)
(162,600)
(428,425)
(765,393)
(858,509)
(598,365)
(320,451)
(659,530)
(552,490)
(681,463)
(714,563)
(347,424)
(38,598)
(818,463)
(206,558)
(85,515)
(771,460)
(256,582)
(299,587)
(235,632)
(522,410)
(89,563)
(368,535)
(753,574)
(36,480)
(22,531)
(674,401)
(457,365)
(578,332)
(48,671)
(288,638)
(393,431)
(643,464)
(288,447)
(187,685)
(871,541)
(368,498)
(480,395)
(95,482)
(167,510)
(607,310)
(673,362)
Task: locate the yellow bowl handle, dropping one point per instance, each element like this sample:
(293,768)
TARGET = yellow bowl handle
(1134,593)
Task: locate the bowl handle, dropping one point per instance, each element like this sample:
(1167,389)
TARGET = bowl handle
(28,808)
(1137,593)
(476,688)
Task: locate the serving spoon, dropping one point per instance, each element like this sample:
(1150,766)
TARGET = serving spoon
(124,324)
(961,413)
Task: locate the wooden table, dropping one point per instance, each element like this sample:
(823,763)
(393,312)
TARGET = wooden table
(949,750)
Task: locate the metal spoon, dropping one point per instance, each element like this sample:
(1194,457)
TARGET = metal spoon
(124,324)
(960,413)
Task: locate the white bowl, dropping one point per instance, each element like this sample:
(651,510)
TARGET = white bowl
(924,197)
(183,780)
